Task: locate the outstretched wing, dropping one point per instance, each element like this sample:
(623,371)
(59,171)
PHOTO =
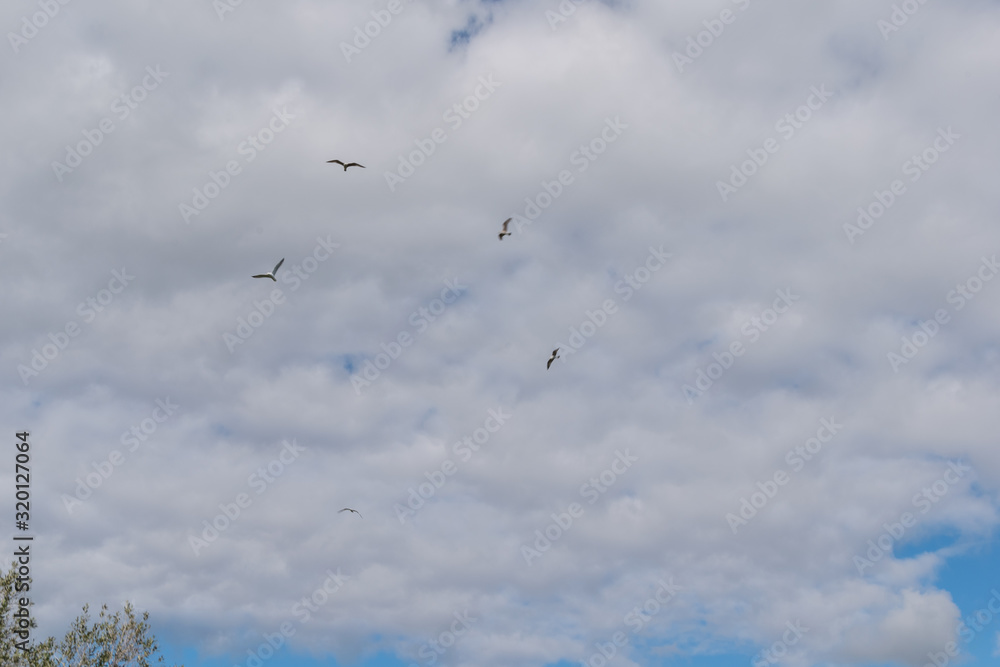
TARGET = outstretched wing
(506,222)
(262,275)
(549,365)
(336,162)
(276,266)
(353,164)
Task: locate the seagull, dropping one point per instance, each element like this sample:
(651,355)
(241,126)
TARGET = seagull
(505,232)
(552,358)
(348,509)
(271,274)
(345,166)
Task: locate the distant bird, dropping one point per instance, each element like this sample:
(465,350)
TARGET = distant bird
(271,274)
(348,509)
(552,358)
(505,232)
(345,166)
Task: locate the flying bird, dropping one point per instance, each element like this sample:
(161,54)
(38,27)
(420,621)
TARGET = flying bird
(505,232)
(271,274)
(348,509)
(345,166)
(552,358)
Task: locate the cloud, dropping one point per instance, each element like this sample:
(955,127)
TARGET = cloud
(206,136)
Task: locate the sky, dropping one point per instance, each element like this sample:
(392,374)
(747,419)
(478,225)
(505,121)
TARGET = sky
(762,236)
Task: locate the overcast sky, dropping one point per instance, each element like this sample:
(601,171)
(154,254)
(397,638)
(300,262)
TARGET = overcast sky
(762,234)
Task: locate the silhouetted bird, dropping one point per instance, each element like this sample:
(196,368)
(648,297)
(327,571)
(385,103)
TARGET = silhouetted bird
(552,358)
(345,166)
(348,509)
(505,232)
(271,274)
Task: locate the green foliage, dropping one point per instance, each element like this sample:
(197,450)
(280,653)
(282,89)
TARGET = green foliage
(114,640)
(14,650)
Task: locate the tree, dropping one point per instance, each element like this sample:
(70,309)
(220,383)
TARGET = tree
(15,651)
(114,640)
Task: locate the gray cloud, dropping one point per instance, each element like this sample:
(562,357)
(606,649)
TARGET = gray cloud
(163,334)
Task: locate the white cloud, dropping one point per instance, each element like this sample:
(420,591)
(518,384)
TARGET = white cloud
(655,185)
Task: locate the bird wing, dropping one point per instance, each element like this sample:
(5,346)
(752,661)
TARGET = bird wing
(353,164)
(277,265)
(548,365)
(506,222)
(554,351)
(335,162)
(262,275)
(346,509)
